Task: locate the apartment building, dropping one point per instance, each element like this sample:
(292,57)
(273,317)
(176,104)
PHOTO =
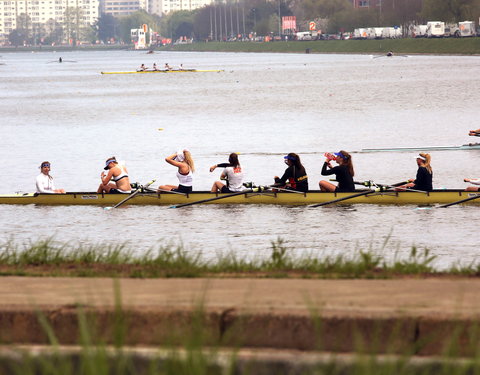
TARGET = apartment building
(41,11)
(161,7)
(123,7)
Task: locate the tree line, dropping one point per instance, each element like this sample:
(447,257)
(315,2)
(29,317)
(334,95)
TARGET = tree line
(231,19)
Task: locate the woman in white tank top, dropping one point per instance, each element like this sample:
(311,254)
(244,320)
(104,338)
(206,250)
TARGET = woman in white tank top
(184,162)
(119,175)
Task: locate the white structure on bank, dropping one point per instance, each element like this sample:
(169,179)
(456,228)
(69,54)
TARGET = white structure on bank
(41,11)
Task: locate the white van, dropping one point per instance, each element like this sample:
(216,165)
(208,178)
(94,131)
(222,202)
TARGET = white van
(360,33)
(435,29)
(419,31)
(467,28)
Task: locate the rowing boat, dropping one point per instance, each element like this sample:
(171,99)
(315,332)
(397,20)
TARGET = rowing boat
(167,71)
(469,146)
(278,198)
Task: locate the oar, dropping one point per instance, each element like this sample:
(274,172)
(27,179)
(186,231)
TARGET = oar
(140,189)
(282,189)
(343,199)
(460,201)
(213,199)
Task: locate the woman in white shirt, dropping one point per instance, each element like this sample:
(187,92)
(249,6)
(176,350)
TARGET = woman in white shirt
(184,162)
(45,181)
(232,173)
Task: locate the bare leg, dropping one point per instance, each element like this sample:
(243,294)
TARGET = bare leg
(326,186)
(404,187)
(167,187)
(217,186)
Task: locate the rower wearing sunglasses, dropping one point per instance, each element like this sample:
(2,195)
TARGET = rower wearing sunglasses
(343,172)
(295,177)
(45,181)
(119,175)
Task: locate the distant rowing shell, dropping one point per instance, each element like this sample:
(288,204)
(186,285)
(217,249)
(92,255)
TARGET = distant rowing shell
(473,146)
(168,71)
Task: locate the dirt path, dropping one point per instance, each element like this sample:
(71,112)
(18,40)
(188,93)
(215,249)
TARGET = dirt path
(274,313)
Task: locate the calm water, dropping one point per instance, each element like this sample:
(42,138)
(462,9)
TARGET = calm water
(263,106)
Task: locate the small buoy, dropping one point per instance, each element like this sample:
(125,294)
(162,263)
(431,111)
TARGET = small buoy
(160,129)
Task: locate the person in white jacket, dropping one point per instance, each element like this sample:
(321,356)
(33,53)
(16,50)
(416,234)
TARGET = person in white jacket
(45,181)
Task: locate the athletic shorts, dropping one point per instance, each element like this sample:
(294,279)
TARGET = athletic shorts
(183,189)
(117,191)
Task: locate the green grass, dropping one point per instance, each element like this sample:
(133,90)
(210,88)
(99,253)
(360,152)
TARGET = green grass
(51,258)
(463,46)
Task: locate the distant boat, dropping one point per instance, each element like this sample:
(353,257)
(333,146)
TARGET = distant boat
(469,146)
(167,71)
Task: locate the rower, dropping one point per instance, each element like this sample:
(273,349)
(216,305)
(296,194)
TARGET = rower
(474,133)
(142,68)
(119,175)
(423,180)
(389,54)
(232,173)
(475,181)
(44,181)
(155,66)
(60,60)
(183,160)
(295,177)
(167,67)
(343,172)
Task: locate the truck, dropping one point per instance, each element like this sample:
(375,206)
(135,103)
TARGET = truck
(419,31)
(467,28)
(435,29)
(360,33)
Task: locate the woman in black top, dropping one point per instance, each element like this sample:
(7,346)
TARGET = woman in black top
(423,180)
(343,173)
(295,176)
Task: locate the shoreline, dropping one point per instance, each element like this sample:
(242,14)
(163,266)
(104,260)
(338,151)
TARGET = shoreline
(441,47)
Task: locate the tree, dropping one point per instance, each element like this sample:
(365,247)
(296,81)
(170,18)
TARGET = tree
(16,37)
(135,21)
(106,27)
(53,32)
(450,10)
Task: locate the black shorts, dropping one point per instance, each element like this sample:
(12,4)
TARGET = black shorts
(183,189)
(226,190)
(115,191)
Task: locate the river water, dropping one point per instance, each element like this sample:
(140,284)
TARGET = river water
(263,106)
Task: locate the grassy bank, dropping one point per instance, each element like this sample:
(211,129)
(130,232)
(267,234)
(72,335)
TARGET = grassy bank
(453,46)
(50,258)
(465,46)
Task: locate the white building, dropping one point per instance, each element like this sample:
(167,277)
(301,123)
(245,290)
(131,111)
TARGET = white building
(41,11)
(123,7)
(161,7)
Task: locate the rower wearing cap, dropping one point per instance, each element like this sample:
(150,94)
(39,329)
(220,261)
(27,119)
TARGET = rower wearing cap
(343,172)
(119,175)
(44,181)
(295,176)
(183,160)
(423,180)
